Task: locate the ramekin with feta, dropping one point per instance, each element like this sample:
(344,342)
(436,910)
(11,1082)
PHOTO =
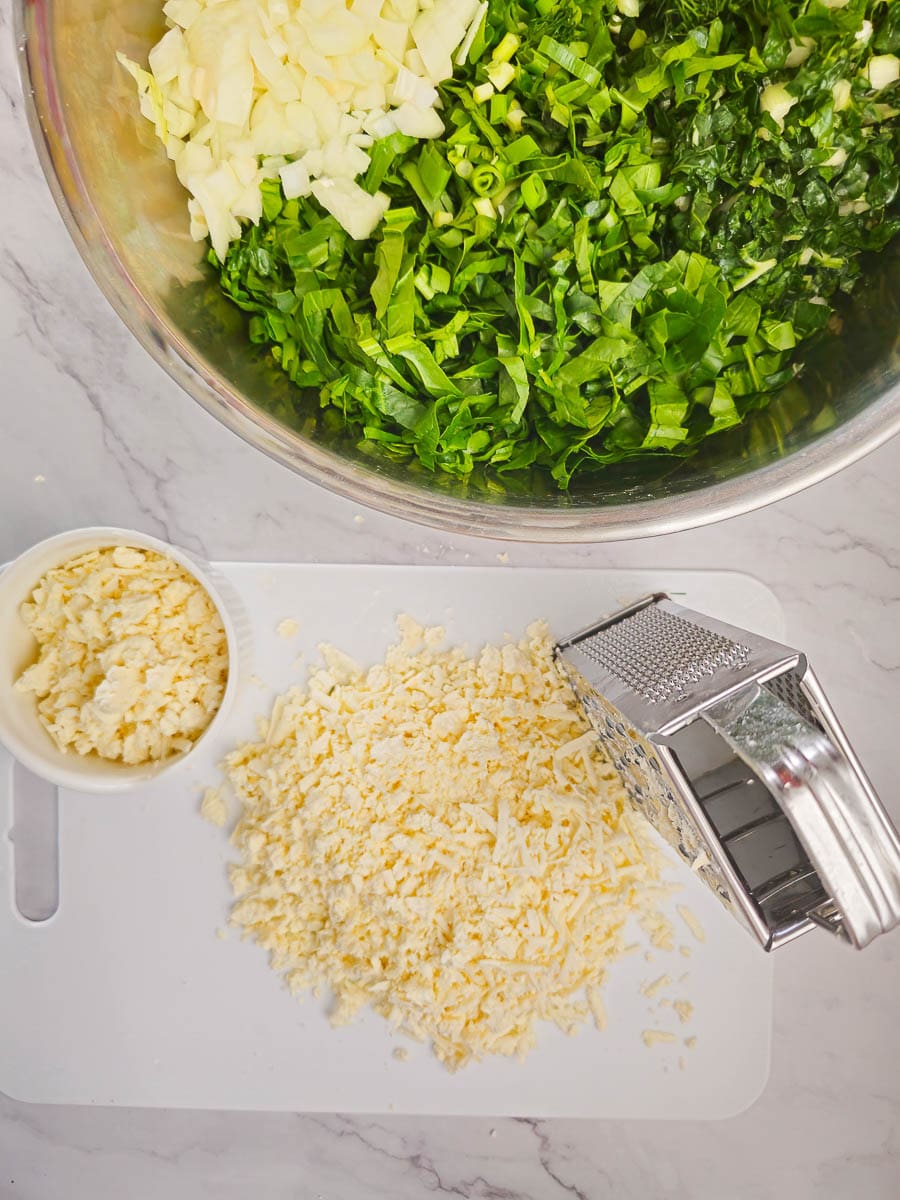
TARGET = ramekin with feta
(120,657)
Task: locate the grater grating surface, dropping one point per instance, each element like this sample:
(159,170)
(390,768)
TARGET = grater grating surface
(789,688)
(727,744)
(661,656)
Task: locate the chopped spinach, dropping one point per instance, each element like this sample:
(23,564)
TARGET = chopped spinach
(619,254)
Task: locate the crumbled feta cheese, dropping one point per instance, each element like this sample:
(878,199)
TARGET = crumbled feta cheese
(287,628)
(440,837)
(132,657)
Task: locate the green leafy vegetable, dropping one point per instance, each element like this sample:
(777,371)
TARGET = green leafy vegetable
(620,253)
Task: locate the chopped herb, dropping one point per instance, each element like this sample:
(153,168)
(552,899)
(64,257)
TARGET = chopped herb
(622,256)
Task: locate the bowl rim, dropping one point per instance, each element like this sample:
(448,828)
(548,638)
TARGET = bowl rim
(114,777)
(830,453)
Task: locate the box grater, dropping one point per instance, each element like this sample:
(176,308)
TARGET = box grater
(727,744)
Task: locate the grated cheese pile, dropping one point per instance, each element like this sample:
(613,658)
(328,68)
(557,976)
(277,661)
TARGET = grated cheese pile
(439,837)
(132,659)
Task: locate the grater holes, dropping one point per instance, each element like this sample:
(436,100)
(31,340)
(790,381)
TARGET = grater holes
(660,655)
(646,781)
(788,688)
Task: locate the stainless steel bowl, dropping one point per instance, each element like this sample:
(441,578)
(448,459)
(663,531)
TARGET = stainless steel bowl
(122,204)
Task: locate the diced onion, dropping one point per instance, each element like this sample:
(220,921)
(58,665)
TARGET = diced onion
(356,210)
(841,91)
(883,70)
(801,48)
(294,180)
(240,91)
(777,101)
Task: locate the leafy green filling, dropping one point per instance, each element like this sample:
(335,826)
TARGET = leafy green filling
(619,254)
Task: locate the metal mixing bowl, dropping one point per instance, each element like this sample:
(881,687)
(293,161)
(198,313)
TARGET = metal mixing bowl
(122,204)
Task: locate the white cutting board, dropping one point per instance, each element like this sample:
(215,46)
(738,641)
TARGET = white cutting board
(127,996)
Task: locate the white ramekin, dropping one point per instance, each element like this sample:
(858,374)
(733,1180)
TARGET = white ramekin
(20,728)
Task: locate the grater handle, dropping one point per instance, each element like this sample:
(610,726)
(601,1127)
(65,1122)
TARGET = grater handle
(847,835)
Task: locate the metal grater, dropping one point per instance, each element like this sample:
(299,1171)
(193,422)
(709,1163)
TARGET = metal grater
(727,744)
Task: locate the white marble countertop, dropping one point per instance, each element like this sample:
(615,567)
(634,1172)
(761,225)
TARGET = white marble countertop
(94,433)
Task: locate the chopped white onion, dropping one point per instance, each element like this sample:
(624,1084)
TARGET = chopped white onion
(836,159)
(357,211)
(295,179)
(241,91)
(883,70)
(777,101)
(417,122)
(801,49)
(841,91)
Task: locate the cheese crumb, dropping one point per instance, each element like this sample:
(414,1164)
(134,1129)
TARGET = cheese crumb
(213,808)
(692,923)
(132,657)
(401,1054)
(659,929)
(690,1042)
(650,989)
(597,1007)
(656,1037)
(287,628)
(440,837)
(685,1010)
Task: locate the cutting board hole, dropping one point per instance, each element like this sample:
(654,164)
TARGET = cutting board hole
(35,841)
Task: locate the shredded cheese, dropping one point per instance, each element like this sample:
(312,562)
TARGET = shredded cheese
(213,807)
(656,1037)
(692,923)
(650,989)
(440,838)
(685,1010)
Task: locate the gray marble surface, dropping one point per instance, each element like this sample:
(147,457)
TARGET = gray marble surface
(94,433)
